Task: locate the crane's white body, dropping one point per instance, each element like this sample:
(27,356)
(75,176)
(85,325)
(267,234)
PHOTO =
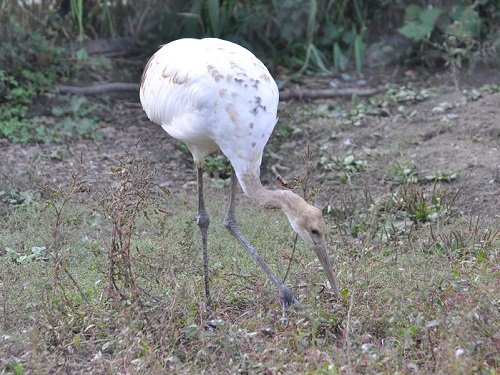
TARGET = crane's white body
(212,94)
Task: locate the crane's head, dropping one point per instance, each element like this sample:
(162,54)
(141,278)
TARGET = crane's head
(308,222)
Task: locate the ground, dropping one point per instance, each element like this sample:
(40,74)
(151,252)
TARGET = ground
(386,177)
(460,138)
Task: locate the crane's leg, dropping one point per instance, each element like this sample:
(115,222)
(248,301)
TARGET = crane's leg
(286,296)
(203,222)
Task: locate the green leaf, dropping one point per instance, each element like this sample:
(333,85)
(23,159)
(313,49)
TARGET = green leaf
(82,54)
(12,254)
(467,23)
(358,52)
(38,251)
(415,31)
(190,331)
(318,58)
(481,256)
(17,368)
(339,59)
(311,20)
(358,12)
(429,17)
(191,22)
(145,346)
(214,15)
(418,29)
(412,11)
(344,293)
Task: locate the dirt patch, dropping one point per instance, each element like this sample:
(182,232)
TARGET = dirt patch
(462,140)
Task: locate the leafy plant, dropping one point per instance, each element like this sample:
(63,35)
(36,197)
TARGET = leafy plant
(28,66)
(74,119)
(37,253)
(332,34)
(77,11)
(403,172)
(19,198)
(343,166)
(219,168)
(420,206)
(456,33)
(78,119)
(420,22)
(123,202)
(406,93)
(17,368)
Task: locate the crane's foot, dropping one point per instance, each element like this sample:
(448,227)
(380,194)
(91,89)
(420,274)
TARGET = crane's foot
(210,323)
(287,299)
(208,310)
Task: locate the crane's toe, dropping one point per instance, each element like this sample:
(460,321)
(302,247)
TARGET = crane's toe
(286,297)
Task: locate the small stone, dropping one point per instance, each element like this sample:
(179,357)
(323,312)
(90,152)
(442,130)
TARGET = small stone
(335,83)
(446,105)
(365,348)
(269,332)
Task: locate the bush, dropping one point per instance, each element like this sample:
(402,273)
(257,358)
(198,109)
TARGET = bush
(460,32)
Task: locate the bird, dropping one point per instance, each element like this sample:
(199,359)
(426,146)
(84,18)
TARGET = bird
(212,95)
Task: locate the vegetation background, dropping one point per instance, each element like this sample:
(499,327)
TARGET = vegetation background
(100,272)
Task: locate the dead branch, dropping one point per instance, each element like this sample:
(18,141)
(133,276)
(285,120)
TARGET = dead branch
(297,93)
(97,89)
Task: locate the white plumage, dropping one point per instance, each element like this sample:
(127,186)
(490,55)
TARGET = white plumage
(213,94)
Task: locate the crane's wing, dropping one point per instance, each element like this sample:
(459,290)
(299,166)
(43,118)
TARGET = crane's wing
(211,93)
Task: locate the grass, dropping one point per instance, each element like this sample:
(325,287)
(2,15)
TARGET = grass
(421,299)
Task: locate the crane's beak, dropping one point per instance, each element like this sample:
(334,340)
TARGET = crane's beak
(321,253)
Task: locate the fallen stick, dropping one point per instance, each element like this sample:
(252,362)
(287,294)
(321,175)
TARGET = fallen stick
(97,89)
(297,93)
(288,94)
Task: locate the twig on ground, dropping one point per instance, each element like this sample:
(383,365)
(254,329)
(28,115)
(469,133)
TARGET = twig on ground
(297,93)
(98,89)
(288,94)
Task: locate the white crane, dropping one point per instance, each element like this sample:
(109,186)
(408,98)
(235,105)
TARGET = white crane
(213,94)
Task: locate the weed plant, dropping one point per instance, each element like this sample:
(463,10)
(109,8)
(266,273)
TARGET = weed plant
(30,66)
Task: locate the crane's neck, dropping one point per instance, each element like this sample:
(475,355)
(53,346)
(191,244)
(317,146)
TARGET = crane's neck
(285,200)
